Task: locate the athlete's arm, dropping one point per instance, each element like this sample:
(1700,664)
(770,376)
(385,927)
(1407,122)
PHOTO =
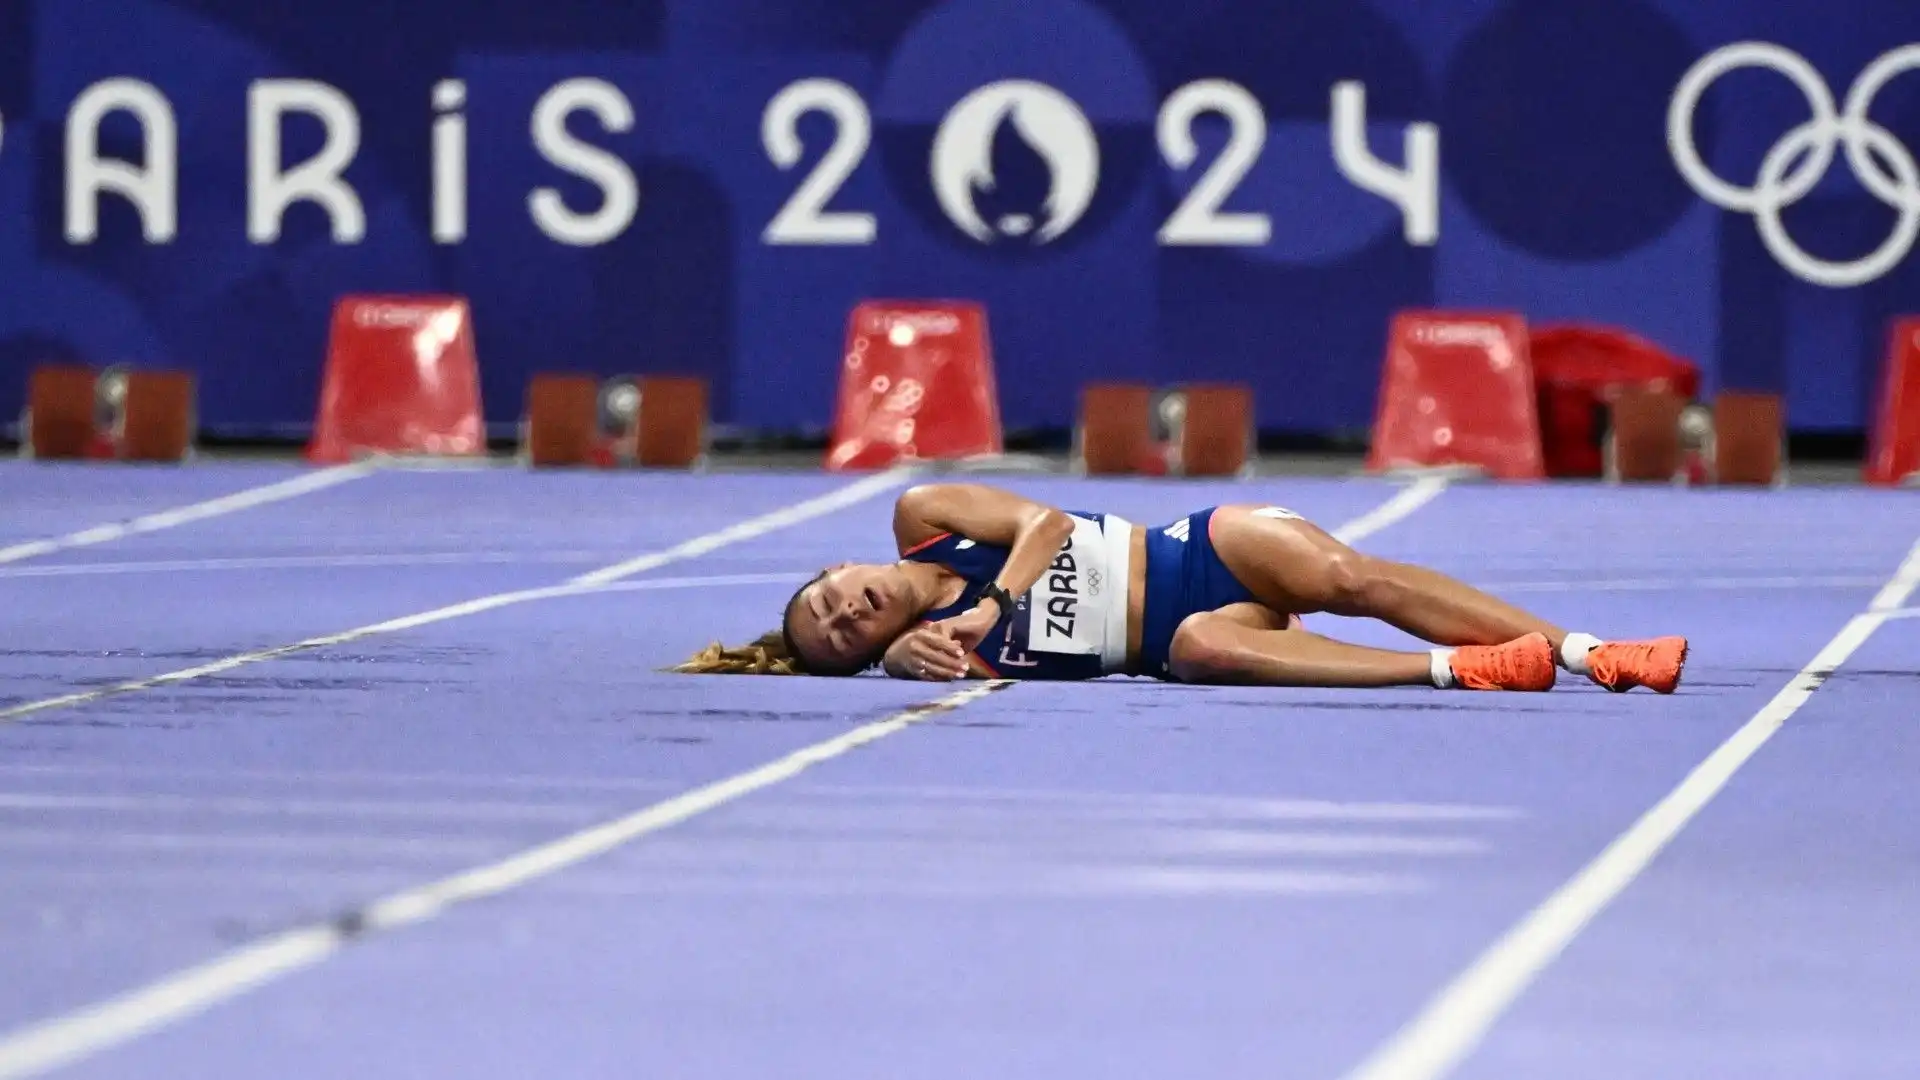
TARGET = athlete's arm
(1032,532)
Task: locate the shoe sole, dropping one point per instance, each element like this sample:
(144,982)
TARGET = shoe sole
(1679,668)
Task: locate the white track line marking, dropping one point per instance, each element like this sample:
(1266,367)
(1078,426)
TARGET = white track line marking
(708,582)
(156,876)
(63,1040)
(1202,881)
(305,562)
(1737,584)
(1158,806)
(1459,1016)
(304,484)
(747,530)
(65,843)
(1411,498)
(286,779)
(146,805)
(817,506)
(1255,843)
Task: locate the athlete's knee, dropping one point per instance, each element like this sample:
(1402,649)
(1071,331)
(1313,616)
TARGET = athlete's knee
(1202,647)
(1354,584)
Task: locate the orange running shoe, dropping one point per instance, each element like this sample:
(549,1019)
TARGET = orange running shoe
(1524,663)
(1622,665)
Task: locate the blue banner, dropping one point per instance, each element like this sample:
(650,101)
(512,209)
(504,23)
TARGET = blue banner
(1214,189)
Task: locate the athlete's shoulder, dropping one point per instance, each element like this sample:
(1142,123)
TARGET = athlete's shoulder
(937,545)
(914,512)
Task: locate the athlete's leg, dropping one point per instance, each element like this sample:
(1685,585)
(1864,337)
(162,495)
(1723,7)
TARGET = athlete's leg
(1290,564)
(1251,644)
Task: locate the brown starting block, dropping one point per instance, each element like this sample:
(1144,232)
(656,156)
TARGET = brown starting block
(156,416)
(1114,435)
(672,422)
(1749,437)
(117,414)
(650,421)
(560,426)
(60,412)
(1198,430)
(1216,434)
(1644,443)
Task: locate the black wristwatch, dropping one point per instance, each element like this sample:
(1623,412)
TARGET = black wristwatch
(999,596)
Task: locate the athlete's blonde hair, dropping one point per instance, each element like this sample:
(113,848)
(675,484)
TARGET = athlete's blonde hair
(769,654)
(772,653)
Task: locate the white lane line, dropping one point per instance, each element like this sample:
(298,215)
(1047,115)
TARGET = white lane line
(1149,806)
(320,779)
(1411,498)
(313,878)
(710,581)
(747,530)
(304,484)
(1455,1020)
(1254,843)
(65,1039)
(1683,584)
(304,562)
(66,843)
(42,803)
(1201,881)
(819,505)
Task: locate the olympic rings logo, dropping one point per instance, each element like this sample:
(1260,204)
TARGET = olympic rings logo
(1780,183)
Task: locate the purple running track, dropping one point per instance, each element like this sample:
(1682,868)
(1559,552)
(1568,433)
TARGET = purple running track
(1117,878)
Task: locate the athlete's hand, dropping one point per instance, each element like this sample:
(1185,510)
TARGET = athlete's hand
(926,652)
(970,627)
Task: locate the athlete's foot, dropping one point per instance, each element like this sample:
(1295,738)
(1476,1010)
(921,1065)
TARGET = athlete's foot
(1521,664)
(1622,665)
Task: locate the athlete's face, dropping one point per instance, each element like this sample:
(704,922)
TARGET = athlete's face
(845,619)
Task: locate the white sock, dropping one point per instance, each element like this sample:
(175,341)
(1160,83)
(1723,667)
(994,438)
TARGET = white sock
(1442,668)
(1574,650)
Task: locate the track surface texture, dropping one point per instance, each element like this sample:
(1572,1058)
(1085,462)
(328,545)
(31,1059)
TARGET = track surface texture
(498,841)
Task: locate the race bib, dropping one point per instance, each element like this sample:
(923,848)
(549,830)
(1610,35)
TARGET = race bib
(1065,611)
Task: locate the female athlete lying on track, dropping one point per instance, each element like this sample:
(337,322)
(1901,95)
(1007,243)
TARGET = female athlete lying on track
(994,585)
